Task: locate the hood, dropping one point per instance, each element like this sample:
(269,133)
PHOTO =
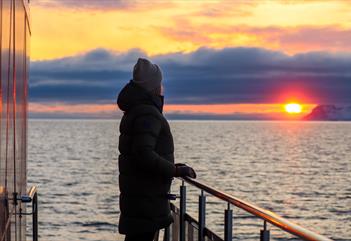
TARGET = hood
(132,95)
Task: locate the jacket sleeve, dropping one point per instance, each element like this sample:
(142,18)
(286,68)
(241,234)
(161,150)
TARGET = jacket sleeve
(146,131)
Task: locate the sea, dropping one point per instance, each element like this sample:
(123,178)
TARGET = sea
(299,170)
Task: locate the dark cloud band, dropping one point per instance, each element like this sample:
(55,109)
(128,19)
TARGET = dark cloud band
(230,75)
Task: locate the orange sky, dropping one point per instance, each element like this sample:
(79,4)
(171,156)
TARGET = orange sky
(161,27)
(169,26)
(274,110)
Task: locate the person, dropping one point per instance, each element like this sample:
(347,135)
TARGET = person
(146,160)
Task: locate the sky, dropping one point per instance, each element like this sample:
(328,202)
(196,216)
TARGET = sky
(228,59)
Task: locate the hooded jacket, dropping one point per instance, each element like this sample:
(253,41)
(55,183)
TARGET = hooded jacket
(146,162)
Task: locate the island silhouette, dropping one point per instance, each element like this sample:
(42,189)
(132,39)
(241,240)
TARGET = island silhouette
(329,113)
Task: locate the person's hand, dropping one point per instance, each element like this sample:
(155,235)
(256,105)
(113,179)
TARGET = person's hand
(182,170)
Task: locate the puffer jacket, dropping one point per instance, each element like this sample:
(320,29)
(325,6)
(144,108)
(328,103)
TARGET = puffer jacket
(146,162)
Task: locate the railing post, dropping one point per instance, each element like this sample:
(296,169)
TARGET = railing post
(166,236)
(182,212)
(202,216)
(228,224)
(264,235)
(35,216)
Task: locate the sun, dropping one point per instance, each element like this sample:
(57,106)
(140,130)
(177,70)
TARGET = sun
(293,108)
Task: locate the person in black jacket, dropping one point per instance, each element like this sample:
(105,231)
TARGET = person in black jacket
(146,160)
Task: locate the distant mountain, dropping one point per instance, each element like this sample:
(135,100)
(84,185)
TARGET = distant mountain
(330,112)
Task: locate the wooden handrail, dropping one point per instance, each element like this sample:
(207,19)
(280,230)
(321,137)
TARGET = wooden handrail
(264,214)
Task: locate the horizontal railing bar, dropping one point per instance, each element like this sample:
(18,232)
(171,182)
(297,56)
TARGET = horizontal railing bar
(190,219)
(264,214)
(207,232)
(211,235)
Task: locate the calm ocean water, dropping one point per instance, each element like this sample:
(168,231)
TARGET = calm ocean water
(300,170)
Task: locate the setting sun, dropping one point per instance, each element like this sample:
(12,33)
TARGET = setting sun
(293,108)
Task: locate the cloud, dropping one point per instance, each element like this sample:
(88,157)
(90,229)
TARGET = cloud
(91,77)
(229,75)
(90,4)
(98,5)
(288,39)
(332,38)
(220,9)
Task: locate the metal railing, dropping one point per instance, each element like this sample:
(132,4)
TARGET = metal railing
(31,197)
(18,200)
(177,231)
(33,194)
